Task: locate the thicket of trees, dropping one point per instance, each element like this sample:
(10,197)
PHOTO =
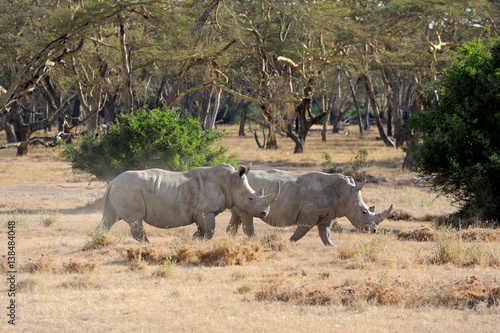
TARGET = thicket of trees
(284,64)
(460,148)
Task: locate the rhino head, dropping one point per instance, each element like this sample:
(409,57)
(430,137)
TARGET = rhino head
(359,214)
(247,199)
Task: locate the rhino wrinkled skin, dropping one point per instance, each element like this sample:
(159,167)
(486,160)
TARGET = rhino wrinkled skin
(307,200)
(166,199)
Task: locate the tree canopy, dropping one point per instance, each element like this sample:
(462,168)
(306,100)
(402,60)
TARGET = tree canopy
(73,60)
(460,145)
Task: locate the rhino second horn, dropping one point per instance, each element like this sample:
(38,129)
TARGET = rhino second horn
(382,216)
(358,187)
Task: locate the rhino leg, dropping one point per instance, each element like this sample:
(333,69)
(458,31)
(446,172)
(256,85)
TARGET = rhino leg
(324,233)
(302,229)
(206,226)
(138,231)
(234,223)
(247,222)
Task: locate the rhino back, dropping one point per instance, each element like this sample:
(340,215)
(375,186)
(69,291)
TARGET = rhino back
(170,199)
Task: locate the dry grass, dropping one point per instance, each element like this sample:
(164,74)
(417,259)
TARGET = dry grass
(224,253)
(409,277)
(466,293)
(424,234)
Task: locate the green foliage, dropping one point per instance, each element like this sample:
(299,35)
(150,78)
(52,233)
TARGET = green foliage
(461,138)
(148,139)
(331,167)
(354,169)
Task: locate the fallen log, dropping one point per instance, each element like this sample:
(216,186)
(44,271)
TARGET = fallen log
(47,141)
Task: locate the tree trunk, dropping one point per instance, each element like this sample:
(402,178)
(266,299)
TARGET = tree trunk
(159,95)
(21,130)
(366,118)
(335,114)
(75,114)
(371,94)
(111,107)
(358,112)
(390,111)
(338,103)
(127,70)
(243,119)
(327,118)
(212,111)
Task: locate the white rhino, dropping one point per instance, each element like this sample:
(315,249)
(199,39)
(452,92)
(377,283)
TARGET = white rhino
(307,200)
(167,199)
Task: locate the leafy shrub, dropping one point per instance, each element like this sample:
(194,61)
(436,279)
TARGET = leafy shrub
(147,139)
(460,145)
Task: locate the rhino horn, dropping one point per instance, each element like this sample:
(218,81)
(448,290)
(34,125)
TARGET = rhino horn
(273,196)
(260,192)
(358,187)
(382,216)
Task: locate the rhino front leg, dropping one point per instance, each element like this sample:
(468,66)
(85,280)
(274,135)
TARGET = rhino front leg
(302,229)
(234,223)
(206,226)
(138,231)
(247,222)
(324,233)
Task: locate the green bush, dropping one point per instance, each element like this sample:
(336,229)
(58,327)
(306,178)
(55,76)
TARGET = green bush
(147,139)
(460,145)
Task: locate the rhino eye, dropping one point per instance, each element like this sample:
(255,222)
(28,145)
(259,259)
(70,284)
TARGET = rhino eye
(365,211)
(250,198)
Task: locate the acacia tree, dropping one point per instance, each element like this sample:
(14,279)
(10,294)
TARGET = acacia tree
(88,56)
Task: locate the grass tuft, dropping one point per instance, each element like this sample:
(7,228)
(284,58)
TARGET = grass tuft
(48,220)
(99,238)
(78,267)
(424,234)
(27,285)
(274,241)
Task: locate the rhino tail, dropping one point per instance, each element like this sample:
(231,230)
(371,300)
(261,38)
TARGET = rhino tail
(108,213)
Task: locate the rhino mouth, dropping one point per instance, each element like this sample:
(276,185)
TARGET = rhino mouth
(262,215)
(369,229)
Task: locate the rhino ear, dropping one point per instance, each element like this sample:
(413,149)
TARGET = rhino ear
(358,187)
(372,209)
(242,170)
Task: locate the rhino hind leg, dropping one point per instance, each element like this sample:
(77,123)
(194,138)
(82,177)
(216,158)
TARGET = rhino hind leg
(324,233)
(108,220)
(138,232)
(206,226)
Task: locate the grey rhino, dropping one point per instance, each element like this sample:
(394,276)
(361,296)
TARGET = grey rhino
(307,200)
(166,199)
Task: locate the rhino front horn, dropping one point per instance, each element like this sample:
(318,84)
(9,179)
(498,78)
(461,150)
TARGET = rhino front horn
(382,216)
(273,196)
